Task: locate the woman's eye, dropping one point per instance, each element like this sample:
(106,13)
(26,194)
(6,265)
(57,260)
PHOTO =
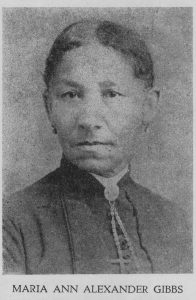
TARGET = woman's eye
(111,94)
(70,94)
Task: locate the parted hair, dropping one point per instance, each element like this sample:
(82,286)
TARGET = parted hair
(124,40)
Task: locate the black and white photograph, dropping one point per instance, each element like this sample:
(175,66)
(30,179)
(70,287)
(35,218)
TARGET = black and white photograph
(97,140)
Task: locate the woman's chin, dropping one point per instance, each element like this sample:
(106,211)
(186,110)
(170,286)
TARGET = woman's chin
(94,165)
(102,167)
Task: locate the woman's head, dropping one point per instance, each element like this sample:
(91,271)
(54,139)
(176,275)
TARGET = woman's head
(99,79)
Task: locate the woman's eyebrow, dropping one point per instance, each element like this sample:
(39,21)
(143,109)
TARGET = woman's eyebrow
(71,83)
(103,84)
(107,84)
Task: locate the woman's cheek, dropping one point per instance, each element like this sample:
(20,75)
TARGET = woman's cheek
(64,118)
(126,123)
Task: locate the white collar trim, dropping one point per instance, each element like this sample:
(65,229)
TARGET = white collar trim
(111,181)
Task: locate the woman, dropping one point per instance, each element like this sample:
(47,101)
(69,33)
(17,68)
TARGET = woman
(88,216)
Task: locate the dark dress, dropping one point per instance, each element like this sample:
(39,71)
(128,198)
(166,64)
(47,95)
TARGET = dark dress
(62,224)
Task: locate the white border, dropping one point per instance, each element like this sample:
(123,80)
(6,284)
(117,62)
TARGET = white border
(97,3)
(188,281)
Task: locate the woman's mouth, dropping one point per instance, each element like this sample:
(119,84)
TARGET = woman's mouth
(95,146)
(94,143)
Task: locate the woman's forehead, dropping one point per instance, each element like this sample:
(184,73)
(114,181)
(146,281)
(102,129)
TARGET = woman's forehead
(94,61)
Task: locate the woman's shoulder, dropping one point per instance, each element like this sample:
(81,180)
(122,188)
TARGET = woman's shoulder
(165,225)
(37,194)
(152,205)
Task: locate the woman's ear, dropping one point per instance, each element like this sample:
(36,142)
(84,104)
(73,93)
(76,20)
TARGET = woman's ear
(150,105)
(47,103)
(48,106)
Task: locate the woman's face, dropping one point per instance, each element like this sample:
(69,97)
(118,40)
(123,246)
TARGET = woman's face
(96,106)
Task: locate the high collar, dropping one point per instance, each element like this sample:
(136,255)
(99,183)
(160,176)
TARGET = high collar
(111,181)
(80,181)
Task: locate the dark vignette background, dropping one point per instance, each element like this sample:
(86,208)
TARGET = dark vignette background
(163,160)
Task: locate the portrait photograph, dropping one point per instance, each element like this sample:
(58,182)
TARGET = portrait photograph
(97,140)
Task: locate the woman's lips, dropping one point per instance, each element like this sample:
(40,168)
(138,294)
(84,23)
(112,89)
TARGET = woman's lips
(94,143)
(95,146)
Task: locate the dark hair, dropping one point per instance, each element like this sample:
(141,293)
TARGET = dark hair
(126,41)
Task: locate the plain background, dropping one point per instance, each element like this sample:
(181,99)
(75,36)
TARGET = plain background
(163,160)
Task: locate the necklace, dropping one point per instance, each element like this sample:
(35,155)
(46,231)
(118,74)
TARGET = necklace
(111,193)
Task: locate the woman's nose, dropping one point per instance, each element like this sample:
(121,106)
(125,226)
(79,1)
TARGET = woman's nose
(90,120)
(89,124)
(92,115)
